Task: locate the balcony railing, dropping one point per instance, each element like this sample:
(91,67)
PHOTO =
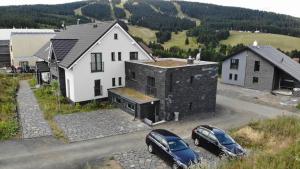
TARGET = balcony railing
(151,90)
(97,66)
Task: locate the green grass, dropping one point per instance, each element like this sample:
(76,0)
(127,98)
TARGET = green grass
(179,41)
(47,100)
(146,34)
(275,144)
(8,116)
(286,43)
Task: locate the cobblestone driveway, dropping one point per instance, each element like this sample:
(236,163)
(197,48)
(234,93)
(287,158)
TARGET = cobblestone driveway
(140,158)
(98,124)
(31,117)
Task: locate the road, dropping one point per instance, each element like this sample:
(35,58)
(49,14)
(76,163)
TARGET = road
(48,153)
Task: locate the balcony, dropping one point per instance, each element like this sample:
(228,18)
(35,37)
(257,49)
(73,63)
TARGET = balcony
(97,67)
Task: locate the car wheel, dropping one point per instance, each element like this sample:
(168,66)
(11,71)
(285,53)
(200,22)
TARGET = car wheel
(175,166)
(150,148)
(196,142)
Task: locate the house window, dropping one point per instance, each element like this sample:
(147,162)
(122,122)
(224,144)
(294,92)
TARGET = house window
(191,79)
(116,36)
(234,63)
(96,62)
(235,77)
(230,76)
(256,66)
(119,56)
(113,82)
(255,80)
(97,88)
(133,55)
(190,105)
(120,81)
(151,90)
(133,75)
(131,106)
(113,56)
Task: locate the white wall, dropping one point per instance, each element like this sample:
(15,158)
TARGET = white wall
(81,78)
(240,71)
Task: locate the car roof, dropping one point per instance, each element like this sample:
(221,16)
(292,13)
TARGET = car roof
(213,129)
(166,134)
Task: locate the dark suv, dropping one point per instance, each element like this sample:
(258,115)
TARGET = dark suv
(216,141)
(172,148)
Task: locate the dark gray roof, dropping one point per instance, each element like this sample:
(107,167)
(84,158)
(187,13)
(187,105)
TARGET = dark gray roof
(78,39)
(145,47)
(62,47)
(279,59)
(4,42)
(43,52)
(42,66)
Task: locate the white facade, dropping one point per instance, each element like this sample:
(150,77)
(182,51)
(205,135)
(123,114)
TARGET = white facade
(79,78)
(239,73)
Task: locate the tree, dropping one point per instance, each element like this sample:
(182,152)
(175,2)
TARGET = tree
(187,41)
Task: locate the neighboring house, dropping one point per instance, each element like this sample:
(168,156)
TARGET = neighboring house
(100,61)
(24,44)
(261,68)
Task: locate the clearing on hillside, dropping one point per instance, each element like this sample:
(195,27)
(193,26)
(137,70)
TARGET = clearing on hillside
(179,41)
(145,33)
(286,43)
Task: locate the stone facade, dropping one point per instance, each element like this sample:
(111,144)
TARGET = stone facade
(184,89)
(265,75)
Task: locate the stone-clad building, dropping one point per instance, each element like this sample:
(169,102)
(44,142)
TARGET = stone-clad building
(169,85)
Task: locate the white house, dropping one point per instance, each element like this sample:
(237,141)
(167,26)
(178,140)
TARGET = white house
(91,59)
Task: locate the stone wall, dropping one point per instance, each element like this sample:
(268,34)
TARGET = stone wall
(174,87)
(265,74)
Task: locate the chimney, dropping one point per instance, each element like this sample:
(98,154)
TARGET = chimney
(190,60)
(78,21)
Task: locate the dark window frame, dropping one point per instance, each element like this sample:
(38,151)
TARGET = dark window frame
(116,36)
(97,65)
(230,76)
(234,63)
(120,81)
(113,56)
(255,80)
(256,66)
(97,89)
(133,55)
(133,75)
(113,82)
(119,56)
(235,77)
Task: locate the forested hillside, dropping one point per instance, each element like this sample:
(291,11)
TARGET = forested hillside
(40,16)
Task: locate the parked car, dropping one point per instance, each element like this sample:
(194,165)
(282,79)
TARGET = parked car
(216,141)
(171,148)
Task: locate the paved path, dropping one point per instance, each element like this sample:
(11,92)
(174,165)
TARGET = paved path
(32,119)
(49,153)
(98,124)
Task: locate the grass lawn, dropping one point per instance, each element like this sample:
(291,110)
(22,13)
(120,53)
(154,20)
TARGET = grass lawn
(145,33)
(9,83)
(286,43)
(179,41)
(47,99)
(275,144)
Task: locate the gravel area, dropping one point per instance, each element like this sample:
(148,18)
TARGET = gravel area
(98,124)
(260,97)
(140,158)
(31,117)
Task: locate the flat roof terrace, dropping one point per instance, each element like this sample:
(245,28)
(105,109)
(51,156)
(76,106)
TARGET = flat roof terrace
(172,62)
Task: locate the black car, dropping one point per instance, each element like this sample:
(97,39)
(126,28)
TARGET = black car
(171,148)
(216,141)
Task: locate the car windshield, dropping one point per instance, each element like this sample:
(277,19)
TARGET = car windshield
(176,145)
(223,138)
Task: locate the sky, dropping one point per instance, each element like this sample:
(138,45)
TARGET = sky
(289,7)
